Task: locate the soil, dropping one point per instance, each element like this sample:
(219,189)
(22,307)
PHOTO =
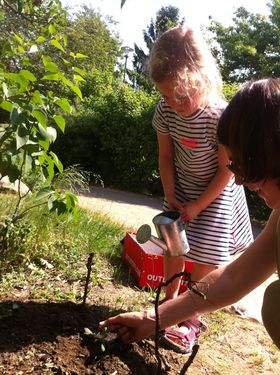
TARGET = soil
(48,337)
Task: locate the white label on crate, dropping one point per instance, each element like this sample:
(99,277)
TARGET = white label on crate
(151,277)
(133,265)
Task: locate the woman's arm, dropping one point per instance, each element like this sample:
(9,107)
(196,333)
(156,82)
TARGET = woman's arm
(226,286)
(229,284)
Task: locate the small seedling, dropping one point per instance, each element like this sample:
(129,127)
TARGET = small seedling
(104,337)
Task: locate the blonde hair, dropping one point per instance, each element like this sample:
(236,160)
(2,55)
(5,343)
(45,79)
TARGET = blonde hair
(182,55)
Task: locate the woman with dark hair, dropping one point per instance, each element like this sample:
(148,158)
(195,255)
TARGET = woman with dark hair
(249,128)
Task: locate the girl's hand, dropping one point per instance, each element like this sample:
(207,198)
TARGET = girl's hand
(190,210)
(174,204)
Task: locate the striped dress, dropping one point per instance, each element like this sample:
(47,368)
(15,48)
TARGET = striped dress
(223,229)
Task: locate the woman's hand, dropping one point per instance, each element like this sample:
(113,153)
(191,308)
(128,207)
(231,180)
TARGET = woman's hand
(131,327)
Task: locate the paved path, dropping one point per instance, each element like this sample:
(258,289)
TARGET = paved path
(133,210)
(129,209)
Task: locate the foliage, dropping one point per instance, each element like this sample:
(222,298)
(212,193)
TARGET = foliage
(249,48)
(31,97)
(88,33)
(112,134)
(257,208)
(229,89)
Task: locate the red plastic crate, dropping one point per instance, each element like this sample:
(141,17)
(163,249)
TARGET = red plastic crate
(145,262)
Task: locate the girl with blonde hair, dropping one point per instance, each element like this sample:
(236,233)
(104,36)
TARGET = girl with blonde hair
(193,167)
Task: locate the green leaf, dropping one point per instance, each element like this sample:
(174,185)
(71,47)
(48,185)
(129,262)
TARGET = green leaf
(79,71)
(52,29)
(51,77)
(28,163)
(73,87)
(63,104)
(21,49)
(26,61)
(49,65)
(77,91)
(50,168)
(56,44)
(40,117)
(57,162)
(22,136)
(18,79)
(18,38)
(71,199)
(66,81)
(60,121)
(81,56)
(45,192)
(28,75)
(7,106)
(44,143)
(78,78)
(40,39)
(17,117)
(37,98)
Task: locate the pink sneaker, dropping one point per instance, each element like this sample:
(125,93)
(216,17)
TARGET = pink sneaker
(183,338)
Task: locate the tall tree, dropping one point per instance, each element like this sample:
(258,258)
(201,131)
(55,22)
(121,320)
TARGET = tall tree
(250,47)
(166,17)
(89,33)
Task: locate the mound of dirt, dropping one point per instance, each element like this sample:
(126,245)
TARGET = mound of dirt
(48,337)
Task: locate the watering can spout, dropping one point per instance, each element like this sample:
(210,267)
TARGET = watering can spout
(144,234)
(171,232)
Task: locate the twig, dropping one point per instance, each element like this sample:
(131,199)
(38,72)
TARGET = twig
(167,366)
(190,360)
(157,330)
(89,264)
(157,326)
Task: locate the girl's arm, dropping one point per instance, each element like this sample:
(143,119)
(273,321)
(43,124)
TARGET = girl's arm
(219,181)
(216,186)
(167,169)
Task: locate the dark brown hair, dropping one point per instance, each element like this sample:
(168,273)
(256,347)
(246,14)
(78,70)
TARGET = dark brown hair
(250,128)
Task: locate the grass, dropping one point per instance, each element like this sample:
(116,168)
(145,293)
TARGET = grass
(55,247)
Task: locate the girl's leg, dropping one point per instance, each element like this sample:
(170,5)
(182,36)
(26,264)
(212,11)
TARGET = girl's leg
(172,265)
(201,270)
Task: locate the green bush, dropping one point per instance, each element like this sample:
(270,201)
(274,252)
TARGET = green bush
(257,207)
(112,135)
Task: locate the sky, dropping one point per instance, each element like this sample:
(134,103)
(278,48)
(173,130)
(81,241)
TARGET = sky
(136,15)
